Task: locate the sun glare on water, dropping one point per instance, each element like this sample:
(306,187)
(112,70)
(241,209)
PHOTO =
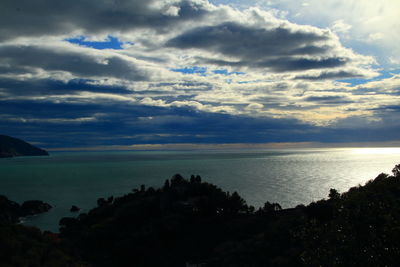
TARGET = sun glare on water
(377,150)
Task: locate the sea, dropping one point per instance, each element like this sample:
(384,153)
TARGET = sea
(289,177)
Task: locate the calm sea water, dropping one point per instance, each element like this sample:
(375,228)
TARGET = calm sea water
(289,177)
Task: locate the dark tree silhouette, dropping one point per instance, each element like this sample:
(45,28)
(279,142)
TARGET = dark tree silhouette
(177,179)
(198,179)
(166,185)
(271,207)
(333,194)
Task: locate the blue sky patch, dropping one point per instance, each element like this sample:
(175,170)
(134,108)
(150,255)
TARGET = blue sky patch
(226,72)
(191,70)
(110,43)
(383,75)
(203,71)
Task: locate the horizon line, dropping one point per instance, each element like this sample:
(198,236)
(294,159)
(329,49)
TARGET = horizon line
(222,146)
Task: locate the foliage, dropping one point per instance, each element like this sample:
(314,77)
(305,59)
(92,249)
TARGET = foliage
(182,221)
(10,211)
(190,221)
(28,247)
(193,221)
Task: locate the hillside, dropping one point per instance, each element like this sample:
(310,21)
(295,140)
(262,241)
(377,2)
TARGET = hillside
(194,223)
(13,147)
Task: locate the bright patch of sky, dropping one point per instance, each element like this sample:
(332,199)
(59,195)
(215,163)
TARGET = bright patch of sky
(191,70)
(384,74)
(203,71)
(110,42)
(227,73)
(367,27)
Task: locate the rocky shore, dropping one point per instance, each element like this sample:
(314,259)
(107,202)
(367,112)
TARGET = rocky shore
(189,222)
(11,211)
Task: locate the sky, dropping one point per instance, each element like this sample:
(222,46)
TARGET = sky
(132,73)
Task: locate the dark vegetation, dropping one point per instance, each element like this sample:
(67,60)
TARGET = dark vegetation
(28,246)
(11,211)
(13,147)
(193,223)
(74,209)
(22,246)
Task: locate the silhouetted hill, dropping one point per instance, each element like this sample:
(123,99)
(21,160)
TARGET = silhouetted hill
(23,246)
(193,223)
(27,246)
(10,211)
(13,147)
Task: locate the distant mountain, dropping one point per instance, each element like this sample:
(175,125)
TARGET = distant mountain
(13,147)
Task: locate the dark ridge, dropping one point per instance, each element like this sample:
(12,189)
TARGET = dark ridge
(188,222)
(11,212)
(24,246)
(14,147)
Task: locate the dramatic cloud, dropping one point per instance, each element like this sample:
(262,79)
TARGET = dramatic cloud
(369,26)
(250,42)
(340,74)
(186,71)
(48,18)
(279,48)
(75,61)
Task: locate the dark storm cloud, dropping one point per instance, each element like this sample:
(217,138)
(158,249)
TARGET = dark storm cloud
(42,87)
(73,61)
(65,95)
(250,42)
(136,124)
(331,100)
(47,17)
(280,48)
(139,124)
(282,64)
(329,75)
(299,64)
(391,108)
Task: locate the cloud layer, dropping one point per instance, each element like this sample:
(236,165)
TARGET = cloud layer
(185,71)
(47,18)
(278,48)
